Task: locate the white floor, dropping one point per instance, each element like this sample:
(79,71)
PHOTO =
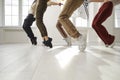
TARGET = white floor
(27,62)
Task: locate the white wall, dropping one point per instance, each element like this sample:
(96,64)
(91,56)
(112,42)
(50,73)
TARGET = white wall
(0,12)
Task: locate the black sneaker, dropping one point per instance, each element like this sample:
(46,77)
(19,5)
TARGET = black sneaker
(48,42)
(34,41)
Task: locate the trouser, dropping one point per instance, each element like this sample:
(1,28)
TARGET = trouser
(61,30)
(69,7)
(41,8)
(27,25)
(104,12)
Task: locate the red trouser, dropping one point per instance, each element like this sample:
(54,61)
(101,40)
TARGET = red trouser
(104,12)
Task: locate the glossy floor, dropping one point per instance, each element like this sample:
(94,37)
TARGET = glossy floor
(26,62)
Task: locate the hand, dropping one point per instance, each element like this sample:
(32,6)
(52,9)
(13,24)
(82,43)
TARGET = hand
(60,4)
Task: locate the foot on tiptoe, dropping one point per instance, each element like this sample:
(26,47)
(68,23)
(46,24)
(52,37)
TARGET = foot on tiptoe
(82,42)
(34,41)
(68,41)
(48,42)
(112,44)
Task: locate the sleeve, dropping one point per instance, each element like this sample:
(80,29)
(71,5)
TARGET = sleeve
(49,3)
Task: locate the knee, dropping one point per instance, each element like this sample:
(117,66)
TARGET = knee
(63,17)
(94,25)
(58,24)
(25,24)
(39,21)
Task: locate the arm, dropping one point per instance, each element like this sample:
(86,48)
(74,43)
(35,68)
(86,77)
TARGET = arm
(49,3)
(96,0)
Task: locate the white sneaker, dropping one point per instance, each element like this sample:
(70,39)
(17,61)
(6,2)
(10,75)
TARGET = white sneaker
(82,43)
(68,41)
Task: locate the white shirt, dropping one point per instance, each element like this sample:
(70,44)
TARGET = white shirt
(33,8)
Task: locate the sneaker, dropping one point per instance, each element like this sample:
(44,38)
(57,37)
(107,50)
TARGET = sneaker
(68,41)
(48,42)
(82,43)
(34,41)
(111,45)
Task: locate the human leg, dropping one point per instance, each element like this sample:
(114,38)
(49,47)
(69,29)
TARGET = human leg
(63,33)
(104,12)
(27,28)
(68,9)
(41,8)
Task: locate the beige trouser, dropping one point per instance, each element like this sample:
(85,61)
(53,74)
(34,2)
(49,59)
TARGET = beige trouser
(69,7)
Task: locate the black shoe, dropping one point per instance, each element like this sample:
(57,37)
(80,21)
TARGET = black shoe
(34,41)
(48,42)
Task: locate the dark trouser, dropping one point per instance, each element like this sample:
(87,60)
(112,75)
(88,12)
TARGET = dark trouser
(41,8)
(27,25)
(104,12)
